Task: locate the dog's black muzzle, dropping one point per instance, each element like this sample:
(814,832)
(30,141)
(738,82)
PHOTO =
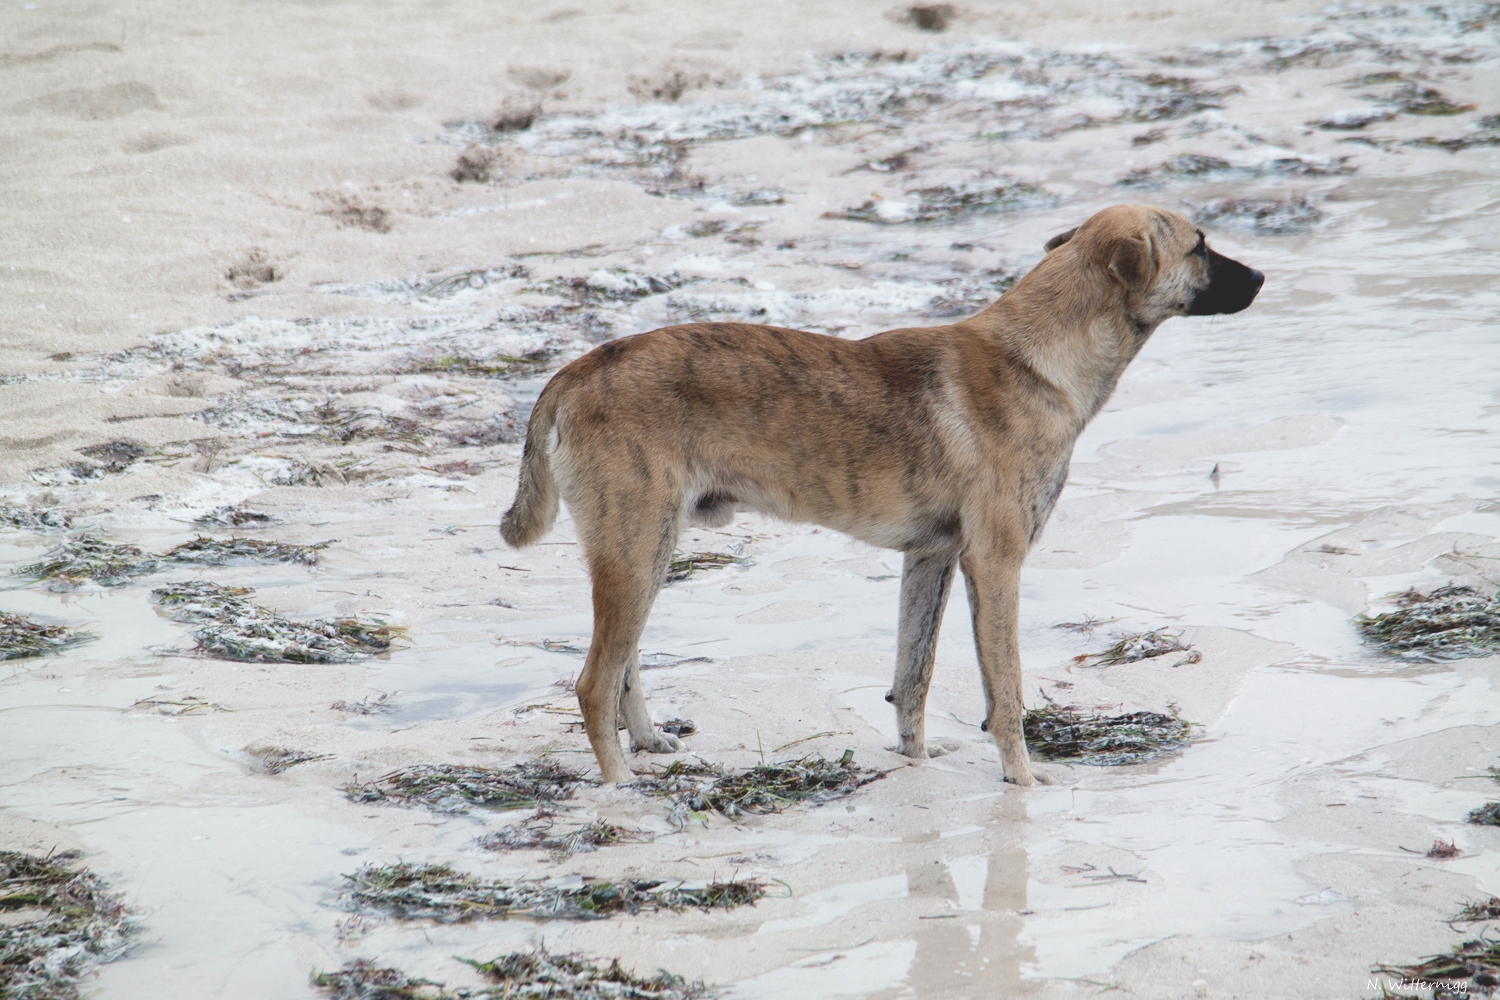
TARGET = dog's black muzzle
(1231,287)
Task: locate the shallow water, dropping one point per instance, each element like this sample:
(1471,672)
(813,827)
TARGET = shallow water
(1348,415)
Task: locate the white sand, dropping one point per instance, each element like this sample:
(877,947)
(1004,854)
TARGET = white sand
(150,150)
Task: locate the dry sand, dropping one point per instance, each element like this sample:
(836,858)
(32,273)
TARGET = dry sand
(233,238)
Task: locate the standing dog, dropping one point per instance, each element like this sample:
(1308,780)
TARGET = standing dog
(949,443)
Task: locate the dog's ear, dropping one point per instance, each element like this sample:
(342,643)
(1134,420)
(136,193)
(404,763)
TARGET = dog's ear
(1059,240)
(1132,262)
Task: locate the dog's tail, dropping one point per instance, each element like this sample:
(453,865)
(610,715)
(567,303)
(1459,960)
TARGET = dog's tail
(535,508)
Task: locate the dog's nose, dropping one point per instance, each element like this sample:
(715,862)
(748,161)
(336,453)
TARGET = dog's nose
(1256,279)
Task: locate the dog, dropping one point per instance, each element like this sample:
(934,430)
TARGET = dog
(948,443)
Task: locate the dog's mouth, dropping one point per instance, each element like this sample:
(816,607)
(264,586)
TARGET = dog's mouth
(1231,287)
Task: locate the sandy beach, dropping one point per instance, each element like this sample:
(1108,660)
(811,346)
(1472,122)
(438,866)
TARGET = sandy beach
(314,261)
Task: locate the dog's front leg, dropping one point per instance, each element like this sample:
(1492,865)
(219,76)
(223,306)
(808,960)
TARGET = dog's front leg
(992,575)
(926,578)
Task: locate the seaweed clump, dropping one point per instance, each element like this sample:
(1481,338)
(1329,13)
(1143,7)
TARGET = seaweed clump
(949,203)
(61,922)
(765,788)
(455,788)
(1062,732)
(1470,969)
(1447,623)
(685,564)
(21,637)
(520,975)
(205,551)
(231,628)
(1486,815)
(34,520)
(235,517)
(1272,216)
(85,558)
(1140,646)
(438,892)
(536,834)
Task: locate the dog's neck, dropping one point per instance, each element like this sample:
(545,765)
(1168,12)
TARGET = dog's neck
(1073,334)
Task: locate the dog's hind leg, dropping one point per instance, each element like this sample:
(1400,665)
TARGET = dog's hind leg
(627,562)
(926,578)
(643,735)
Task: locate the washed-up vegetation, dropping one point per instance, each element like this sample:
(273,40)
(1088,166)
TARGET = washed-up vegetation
(1272,216)
(1199,167)
(29,519)
(1470,969)
(685,564)
(949,203)
(235,517)
(229,627)
(438,892)
(1486,815)
(1477,911)
(520,975)
(116,456)
(1448,622)
(1063,732)
(539,834)
(21,637)
(1138,646)
(699,788)
(366,705)
(456,788)
(228,551)
(61,921)
(84,558)
(274,760)
(87,559)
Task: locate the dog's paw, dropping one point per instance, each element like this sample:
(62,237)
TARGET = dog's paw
(659,743)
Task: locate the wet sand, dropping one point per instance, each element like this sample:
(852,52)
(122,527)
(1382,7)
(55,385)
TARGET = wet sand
(235,241)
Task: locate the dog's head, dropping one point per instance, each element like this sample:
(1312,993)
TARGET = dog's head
(1162,263)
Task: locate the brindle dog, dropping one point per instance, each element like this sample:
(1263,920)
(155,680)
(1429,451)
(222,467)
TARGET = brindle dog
(948,443)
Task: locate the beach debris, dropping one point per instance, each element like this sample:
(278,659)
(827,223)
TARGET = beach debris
(1445,623)
(659,661)
(1477,911)
(206,551)
(685,564)
(186,705)
(949,203)
(1137,646)
(1063,732)
(455,788)
(1486,815)
(678,727)
(526,974)
(489,366)
(1442,850)
(21,637)
(536,834)
(698,788)
(1271,216)
(30,519)
(1470,969)
(1195,166)
(365,706)
(519,975)
(231,628)
(274,760)
(84,558)
(1087,627)
(115,456)
(932,17)
(235,517)
(61,920)
(438,892)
